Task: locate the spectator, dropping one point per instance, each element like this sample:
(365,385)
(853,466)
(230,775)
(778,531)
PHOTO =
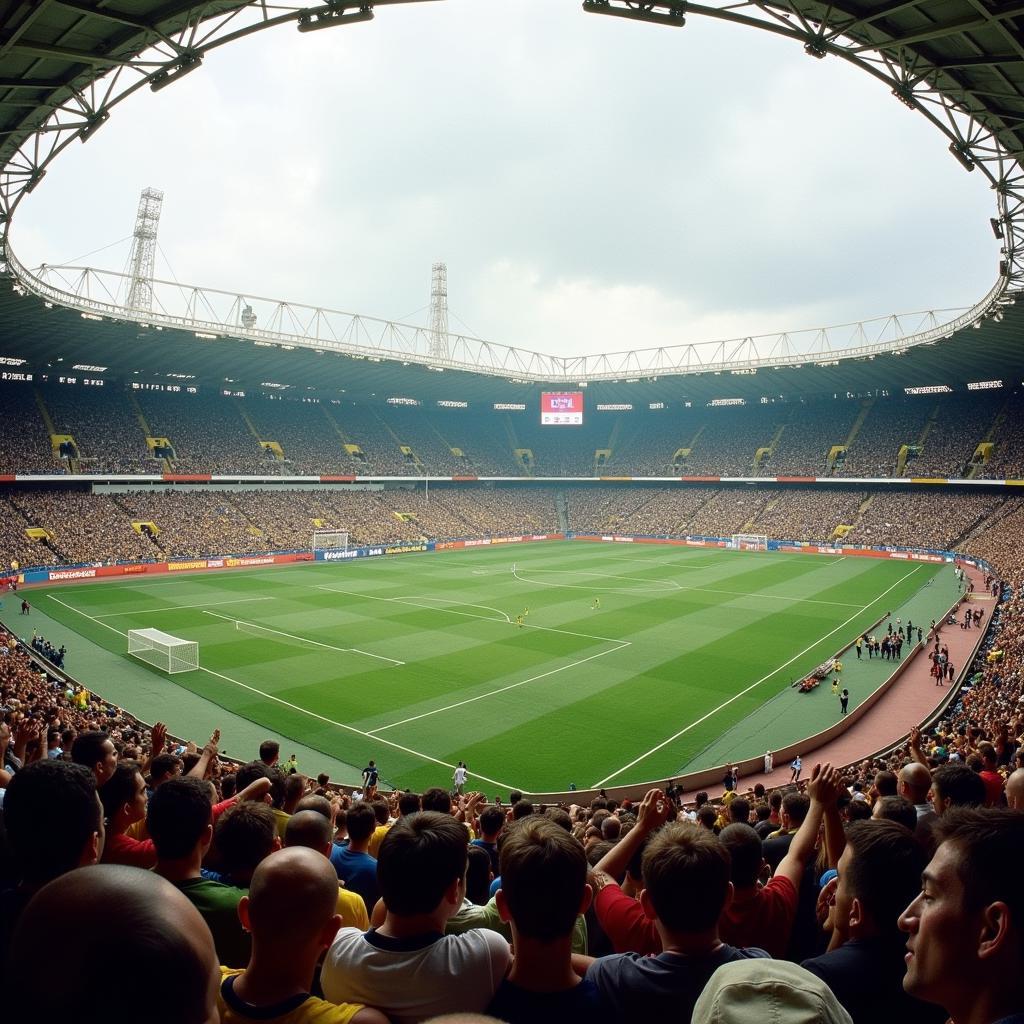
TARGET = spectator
(245,835)
(879,871)
(290,912)
(544,889)
(95,750)
(166,966)
(965,940)
(408,968)
(124,804)
(354,866)
(179,822)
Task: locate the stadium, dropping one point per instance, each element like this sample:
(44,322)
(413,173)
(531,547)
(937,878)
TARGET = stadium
(404,576)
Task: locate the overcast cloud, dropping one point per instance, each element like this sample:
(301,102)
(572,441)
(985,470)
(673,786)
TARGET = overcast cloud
(592,184)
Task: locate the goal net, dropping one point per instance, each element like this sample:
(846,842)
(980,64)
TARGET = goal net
(170,653)
(749,542)
(330,540)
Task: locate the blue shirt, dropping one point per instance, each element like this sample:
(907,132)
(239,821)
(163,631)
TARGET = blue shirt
(359,873)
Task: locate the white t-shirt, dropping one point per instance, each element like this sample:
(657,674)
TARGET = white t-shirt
(460,776)
(414,979)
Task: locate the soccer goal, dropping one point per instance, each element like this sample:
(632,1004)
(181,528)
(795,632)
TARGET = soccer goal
(330,540)
(749,542)
(170,653)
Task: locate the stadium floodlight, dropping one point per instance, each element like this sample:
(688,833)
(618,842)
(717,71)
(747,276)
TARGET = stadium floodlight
(185,64)
(333,14)
(997,227)
(963,155)
(672,15)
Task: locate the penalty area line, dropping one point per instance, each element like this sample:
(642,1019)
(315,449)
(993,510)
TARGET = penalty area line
(295,707)
(176,607)
(754,685)
(306,639)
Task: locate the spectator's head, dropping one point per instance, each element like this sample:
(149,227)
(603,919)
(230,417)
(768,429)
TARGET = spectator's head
(124,796)
(895,808)
(886,783)
(96,751)
(794,809)
(879,872)
(54,819)
(381,812)
(955,785)
(421,865)
(250,773)
(739,810)
(478,876)
(611,827)
(686,880)
(270,752)
(179,819)
(491,820)
(543,881)
(245,835)
(560,817)
(745,855)
(313,802)
(408,803)
(291,907)
(294,787)
(966,926)
(154,940)
(360,822)
(164,767)
(438,800)
(522,809)
(1015,790)
(914,782)
(707,816)
(309,829)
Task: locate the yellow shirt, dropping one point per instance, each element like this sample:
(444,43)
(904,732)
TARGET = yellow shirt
(376,839)
(293,1011)
(352,910)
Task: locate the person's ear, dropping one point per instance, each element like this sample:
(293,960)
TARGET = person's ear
(329,930)
(207,838)
(277,844)
(646,906)
(453,894)
(502,904)
(585,900)
(91,851)
(243,913)
(996,923)
(856,918)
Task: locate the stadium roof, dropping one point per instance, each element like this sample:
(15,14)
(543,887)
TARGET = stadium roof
(64,64)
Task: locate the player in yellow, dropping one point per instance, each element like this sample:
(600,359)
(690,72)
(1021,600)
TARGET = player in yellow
(519,621)
(597,604)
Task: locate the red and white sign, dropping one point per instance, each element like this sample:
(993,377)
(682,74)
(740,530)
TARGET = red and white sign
(561,408)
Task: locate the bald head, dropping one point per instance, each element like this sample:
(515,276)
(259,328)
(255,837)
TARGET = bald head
(292,899)
(310,829)
(1015,790)
(915,781)
(131,941)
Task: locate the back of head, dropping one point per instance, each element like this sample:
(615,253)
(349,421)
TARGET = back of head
(915,780)
(561,818)
(360,822)
(491,820)
(408,803)
(522,809)
(51,814)
(436,799)
(156,958)
(179,815)
(739,810)
(250,773)
(886,783)
(686,874)
(767,990)
(959,786)
(898,809)
(883,870)
(796,806)
(119,789)
(309,829)
(381,811)
(478,875)
(611,827)
(420,857)
(745,855)
(543,872)
(293,897)
(164,766)
(245,834)
(312,802)
(988,842)
(270,751)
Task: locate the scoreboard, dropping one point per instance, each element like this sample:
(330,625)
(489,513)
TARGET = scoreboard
(561,408)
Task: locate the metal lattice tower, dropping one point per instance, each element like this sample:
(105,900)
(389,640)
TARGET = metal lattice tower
(439,312)
(142,260)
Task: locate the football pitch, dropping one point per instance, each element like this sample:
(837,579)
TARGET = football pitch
(630,662)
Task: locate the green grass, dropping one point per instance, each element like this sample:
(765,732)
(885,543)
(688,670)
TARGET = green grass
(686,646)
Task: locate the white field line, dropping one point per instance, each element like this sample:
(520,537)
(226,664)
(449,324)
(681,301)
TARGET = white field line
(669,586)
(175,607)
(411,601)
(725,704)
(295,707)
(502,689)
(304,639)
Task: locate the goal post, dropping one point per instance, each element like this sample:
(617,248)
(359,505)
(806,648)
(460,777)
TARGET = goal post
(749,542)
(330,540)
(163,651)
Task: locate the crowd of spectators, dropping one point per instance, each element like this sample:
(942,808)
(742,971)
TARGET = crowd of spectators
(43,647)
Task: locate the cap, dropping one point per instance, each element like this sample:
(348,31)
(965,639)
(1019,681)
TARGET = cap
(758,990)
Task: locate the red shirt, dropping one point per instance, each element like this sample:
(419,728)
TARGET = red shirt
(761,917)
(122,849)
(993,788)
(628,928)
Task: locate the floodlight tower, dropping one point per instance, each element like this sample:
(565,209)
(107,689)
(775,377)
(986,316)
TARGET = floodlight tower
(439,312)
(142,259)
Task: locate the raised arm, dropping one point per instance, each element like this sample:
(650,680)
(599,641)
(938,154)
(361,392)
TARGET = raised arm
(823,789)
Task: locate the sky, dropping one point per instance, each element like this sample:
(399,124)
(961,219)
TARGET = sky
(592,184)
